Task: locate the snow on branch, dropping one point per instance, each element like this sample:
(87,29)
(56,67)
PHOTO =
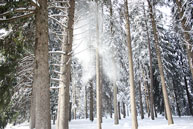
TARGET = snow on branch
(57,21)
(55,79)
(35,3)
(57,52)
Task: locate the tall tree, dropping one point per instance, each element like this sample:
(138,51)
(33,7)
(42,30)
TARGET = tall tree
(41,72)
(91,101)
(63,103)
(164,90)
(186,30)
(150,65)
(98,86)
(116,115)
(131,73)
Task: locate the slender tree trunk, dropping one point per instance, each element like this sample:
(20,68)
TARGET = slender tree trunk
(188,96)
(119,109)
(58,110)
(186,35)
(141,103)
(176,99)
(116,117)
(124,111)
(54,119)
(98,86)
(74,100)
(41,73)
(32,109)
(151,70)
(65,71)
(127,110)
(110,107)
(70,109)
(146,94)
(91,102)
(85,104)
(166,100)
(131,73)
(155,111)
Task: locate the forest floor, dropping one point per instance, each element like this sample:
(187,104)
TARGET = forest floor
(185,122)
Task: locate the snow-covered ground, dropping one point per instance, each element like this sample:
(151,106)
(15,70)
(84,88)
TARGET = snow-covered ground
(159,123)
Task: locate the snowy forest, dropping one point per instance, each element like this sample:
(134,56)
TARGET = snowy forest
(96,64)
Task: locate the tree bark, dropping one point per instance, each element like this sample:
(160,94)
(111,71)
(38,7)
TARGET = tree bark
(70,109)
(98,86)
(74,101)
(131,73)
(188,96)
(91,102)
(124,111)
(151,70)
(146,94)
(165,95)
(85,104)
(119,109)
(141,103)
(116,117)
(186,35)
(41,73)
(65,71)
(176,99)
(32,109)
(110,107)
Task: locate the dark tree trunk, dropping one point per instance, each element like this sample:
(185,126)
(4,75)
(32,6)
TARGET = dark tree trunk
(70,111)
(141,103)
(176,99)
(124,111)
(119,110)
(91,101)
(188,96)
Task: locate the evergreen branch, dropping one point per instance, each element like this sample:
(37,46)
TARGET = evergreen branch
(17,17)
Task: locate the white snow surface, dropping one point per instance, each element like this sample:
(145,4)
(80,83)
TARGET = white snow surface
(158,123)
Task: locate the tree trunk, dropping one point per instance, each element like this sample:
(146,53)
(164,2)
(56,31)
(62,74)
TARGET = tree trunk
(41,73)
(116,117)
(131,73)
(74,100)
(146,94)
(141,103)
(124,111)
(166,100)
(85,104)
(155,111)
(176,99)
(188,96)
(70,109)
(65,71)
(119,109)
(98,86)
(151,70)
(32,109)
(186,35)
(54,119)
(110,107)
(91,102)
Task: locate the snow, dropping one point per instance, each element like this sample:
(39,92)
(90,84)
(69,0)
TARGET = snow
(4,33)
(185,122)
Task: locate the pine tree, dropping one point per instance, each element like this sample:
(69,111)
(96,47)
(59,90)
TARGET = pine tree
(131,74)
